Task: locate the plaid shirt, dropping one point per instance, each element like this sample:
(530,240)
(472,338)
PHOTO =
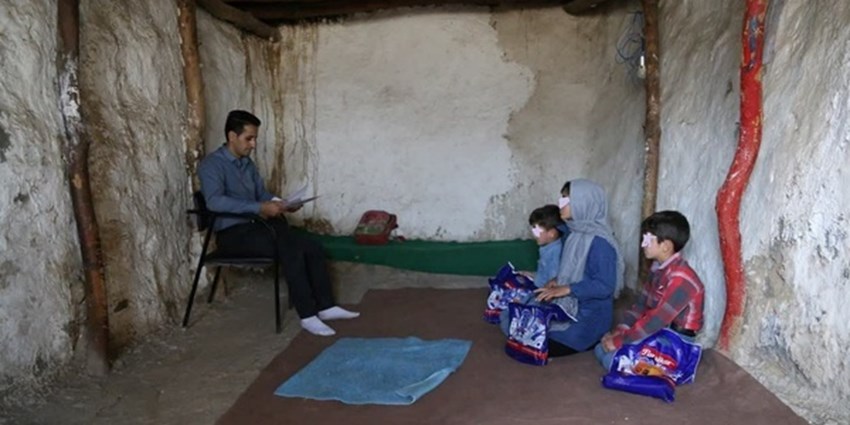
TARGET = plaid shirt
(673,295)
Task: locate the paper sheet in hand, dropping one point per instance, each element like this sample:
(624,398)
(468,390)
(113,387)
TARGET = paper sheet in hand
(296,198)
(300,202)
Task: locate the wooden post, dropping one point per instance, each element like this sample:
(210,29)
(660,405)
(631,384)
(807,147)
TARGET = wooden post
(652,124)
(192,78)
(76,155)
(731,193)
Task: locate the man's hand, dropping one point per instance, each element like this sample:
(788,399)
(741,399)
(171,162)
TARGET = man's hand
(271,209)
(294,208)
(551,284)
(547,294)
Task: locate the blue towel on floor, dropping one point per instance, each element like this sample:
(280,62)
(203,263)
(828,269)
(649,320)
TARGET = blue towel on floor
(377,370)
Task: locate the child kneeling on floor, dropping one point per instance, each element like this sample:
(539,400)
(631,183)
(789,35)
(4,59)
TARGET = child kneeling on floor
(672,295)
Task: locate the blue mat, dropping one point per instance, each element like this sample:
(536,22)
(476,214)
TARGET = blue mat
(395,371)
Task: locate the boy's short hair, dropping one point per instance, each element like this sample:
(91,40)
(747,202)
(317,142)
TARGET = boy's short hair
(237,120)
(547,217)
(668,226)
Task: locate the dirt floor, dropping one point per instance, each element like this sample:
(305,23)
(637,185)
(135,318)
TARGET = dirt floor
(192,376)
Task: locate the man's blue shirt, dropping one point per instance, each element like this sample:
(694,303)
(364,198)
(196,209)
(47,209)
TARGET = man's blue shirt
(231,184)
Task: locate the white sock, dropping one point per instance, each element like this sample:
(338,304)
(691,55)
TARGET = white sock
(336,312)
(315,326)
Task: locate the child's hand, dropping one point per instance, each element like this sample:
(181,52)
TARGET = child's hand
(547,294)
(608,342)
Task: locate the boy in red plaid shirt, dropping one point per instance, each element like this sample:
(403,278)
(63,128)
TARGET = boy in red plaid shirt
(671,297)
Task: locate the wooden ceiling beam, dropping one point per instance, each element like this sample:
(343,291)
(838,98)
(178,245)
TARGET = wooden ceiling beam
(243,4)
(577,7)
(241,19)
(312,9)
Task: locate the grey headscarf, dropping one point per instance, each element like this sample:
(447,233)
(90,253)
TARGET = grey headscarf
(589,208)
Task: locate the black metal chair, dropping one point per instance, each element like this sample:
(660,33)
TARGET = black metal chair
(205,221)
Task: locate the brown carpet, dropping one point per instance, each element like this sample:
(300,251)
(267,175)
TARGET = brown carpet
(490,388)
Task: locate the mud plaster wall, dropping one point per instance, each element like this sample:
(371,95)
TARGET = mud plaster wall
(237,70)
(458,120)
(40,282)
(134,104)
(699,80)
(797,328)
(795,332)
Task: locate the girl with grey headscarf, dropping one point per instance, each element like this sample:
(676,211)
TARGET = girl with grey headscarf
(591,269)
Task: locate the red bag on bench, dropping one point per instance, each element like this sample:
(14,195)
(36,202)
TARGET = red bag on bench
(375,227)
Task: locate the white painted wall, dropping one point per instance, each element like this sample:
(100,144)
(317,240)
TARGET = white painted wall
(460,123)
(39,257)
(584,119)
(795,331)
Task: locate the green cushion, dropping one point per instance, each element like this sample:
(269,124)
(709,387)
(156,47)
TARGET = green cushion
(462,258)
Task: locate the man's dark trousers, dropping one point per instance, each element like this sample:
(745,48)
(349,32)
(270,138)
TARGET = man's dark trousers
(302,259)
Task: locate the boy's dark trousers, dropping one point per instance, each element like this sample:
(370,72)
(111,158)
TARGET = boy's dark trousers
(302,260)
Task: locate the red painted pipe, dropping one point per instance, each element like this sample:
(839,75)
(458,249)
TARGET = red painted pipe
(730,194)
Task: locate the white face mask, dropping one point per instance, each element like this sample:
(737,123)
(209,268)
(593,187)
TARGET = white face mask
(563,202)
(537,231)
(648,238)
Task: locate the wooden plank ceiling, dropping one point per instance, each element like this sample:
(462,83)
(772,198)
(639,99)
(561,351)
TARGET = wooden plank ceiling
(276,12)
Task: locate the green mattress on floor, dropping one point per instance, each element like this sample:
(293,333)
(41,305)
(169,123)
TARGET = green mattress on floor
(463,258)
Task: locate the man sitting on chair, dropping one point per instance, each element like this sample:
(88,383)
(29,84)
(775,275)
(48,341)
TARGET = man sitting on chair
(231,183)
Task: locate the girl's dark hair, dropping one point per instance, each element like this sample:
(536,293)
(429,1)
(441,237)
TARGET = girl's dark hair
(668,226)
(547,217)
(565,190)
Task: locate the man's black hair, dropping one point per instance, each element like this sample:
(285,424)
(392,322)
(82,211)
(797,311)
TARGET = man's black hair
(668,226)
(547,217)
(237,120)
